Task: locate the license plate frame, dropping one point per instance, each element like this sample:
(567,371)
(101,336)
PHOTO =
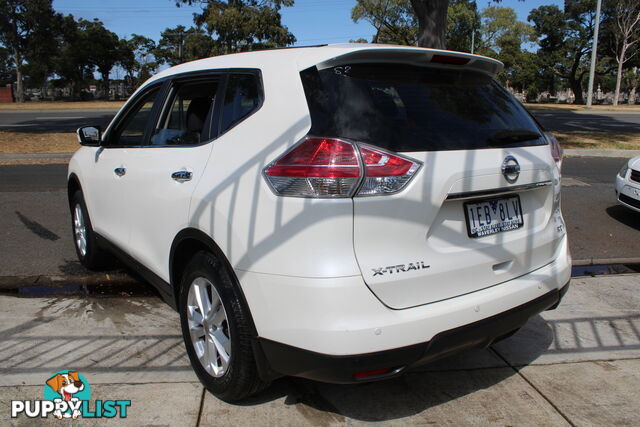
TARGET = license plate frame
(503,226)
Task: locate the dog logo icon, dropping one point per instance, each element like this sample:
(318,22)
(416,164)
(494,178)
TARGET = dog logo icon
(69,387)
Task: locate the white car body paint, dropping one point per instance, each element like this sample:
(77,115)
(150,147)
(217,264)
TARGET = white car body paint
(306,265)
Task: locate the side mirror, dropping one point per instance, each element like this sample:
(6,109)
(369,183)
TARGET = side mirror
(89,136)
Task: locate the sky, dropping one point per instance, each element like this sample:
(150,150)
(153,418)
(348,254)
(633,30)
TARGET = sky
(311,21)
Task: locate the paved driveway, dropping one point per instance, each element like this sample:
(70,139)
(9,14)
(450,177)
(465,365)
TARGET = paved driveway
(577,365)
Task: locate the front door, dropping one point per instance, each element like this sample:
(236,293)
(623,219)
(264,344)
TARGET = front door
(108,205)
(163,175)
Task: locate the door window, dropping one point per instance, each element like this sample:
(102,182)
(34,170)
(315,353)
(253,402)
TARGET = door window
(186,115)
(131,130)
(242,99)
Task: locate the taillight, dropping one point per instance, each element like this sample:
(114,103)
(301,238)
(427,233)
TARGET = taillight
(556,150)
(386,173)
(329,167)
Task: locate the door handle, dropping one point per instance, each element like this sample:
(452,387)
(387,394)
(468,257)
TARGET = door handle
(182,176)
(120,171)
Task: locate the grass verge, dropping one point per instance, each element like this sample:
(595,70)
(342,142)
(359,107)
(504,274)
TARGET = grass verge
(28,143)
(19,142)
(599,140)
(60,105)
(571,107)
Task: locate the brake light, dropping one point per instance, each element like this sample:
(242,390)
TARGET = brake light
(449,60)
(330,167)
(556,150)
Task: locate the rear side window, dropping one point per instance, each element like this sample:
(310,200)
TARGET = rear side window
(408,108)
(186,114)
(242,99)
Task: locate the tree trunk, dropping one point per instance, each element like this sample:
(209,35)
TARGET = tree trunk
(634,86)
(105,85)
(432,22)
(576,87)
(616,94)
(19,77)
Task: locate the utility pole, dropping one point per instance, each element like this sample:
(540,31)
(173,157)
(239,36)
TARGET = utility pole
(594,50)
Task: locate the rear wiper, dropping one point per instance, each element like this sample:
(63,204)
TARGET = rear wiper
(510,136)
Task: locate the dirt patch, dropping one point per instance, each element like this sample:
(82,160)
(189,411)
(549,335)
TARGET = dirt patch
(46,105)
(18,142)
(599,140)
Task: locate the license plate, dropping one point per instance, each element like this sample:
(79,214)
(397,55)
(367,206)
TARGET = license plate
(491,216)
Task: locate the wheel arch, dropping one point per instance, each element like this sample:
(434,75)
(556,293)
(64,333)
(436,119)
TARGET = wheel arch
(73,185)
(185,245)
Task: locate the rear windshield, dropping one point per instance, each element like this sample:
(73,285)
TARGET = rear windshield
(409,108)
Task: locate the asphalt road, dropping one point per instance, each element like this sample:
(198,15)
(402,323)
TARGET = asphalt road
(52,121)
(601,121)
(35,235)
(69,121)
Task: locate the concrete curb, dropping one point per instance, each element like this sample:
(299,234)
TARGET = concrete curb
(588,152)
(35,156)
(605,261)
(111,279)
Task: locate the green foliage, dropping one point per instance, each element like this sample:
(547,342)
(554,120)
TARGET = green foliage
(28,32)
(394,20)
(463,20)
(178,45)
(104,48)
(73,63)
(6,70)
(565,40)
(239,26)
(137,59)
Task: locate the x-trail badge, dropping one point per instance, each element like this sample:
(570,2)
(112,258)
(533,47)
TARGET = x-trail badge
(510,169)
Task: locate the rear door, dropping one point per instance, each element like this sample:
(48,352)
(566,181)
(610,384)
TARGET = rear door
(479,210)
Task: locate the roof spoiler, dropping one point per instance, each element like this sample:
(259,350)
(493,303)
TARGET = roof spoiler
(416,56)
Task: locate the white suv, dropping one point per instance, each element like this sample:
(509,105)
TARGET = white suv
(342,213)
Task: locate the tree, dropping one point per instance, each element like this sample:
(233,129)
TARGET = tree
(137,59)
(7,74)
(242,25)
(26,26)
(72,62)
(394,20)
(565,40)
(178,45)
(103,49)
(463,25)
(502,36)
(624,26)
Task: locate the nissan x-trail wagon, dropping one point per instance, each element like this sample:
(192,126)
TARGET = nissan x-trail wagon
(341,213)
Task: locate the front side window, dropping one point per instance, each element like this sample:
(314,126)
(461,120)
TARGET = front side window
(186,115)
(130,131)
(242,99)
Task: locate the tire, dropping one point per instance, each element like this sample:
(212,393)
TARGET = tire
(89,253)
(229,326)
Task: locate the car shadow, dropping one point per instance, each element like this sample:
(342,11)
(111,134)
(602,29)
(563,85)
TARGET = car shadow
(625,215)
(412,393)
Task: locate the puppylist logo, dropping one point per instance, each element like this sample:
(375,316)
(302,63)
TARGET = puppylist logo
(67,395)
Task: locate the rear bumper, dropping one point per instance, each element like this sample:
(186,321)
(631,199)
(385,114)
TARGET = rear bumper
(288,360)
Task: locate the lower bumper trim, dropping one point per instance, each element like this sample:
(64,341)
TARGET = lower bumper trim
(292,361)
